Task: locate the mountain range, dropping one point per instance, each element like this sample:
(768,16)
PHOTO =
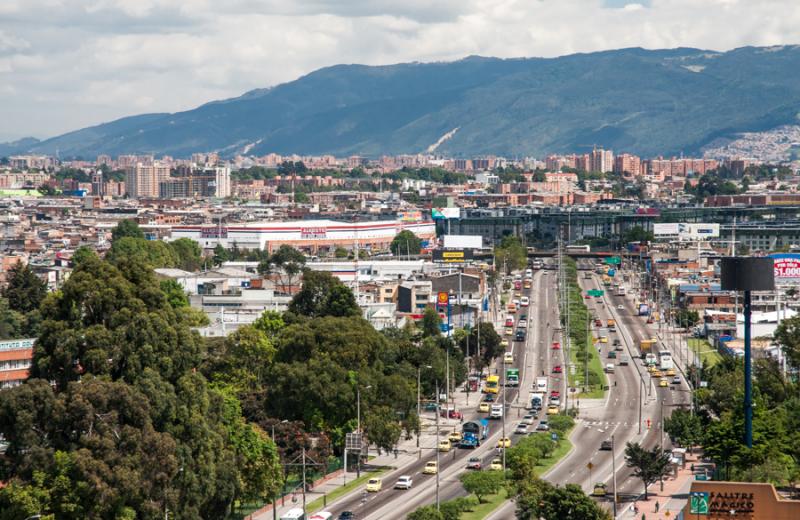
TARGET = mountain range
(649,102)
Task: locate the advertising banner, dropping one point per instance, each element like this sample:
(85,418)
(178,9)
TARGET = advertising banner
(787,268)
(443,213)
(452,256)
(463,241)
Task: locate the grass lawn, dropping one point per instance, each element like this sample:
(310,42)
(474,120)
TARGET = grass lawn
(701,345)
(564,447)
(343,490)
(595,367)
(485,509)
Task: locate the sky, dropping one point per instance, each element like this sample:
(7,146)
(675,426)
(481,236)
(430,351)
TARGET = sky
(68,64)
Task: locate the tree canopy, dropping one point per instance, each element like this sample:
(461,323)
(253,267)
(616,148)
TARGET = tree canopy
(510,254)
(405,243)
(323,295)
(127,228)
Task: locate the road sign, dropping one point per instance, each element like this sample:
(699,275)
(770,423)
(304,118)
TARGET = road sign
(554,436)
(589,466)
(698,503)
(613,260)
(353,442)
(595,292)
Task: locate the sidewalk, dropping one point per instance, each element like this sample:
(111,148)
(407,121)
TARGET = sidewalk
(670,501)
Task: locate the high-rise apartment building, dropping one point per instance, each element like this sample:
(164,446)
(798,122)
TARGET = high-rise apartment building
(627,163)
(143,180)
(601,160)
(197,182)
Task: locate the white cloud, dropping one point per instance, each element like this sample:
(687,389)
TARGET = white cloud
(71,63)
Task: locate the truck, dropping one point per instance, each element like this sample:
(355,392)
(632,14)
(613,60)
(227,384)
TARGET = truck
(512,377)
(473,432)
(537,400)
(541,385)
(496,411)
(644,309)
(611,323)
(492,384)
(646,346)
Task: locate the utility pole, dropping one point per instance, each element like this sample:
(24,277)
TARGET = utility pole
(419,379)
(614,473)
(504,420)
(436,447)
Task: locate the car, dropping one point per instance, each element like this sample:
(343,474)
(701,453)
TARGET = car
(431,468)
(556,345)
(599,490)
(557,369)
(504,442)
(430,407)
(617,342)
(554,393)
(525,301)
(509,321)
(455,437)
(663,382)
(620,307)
(676,380)
(612,354)
(450,413)
(552,410)
(605,446)
(496,465)
(649,320)
(483,407)
(543,426)
(508,331)
(504,343)
(523,317)
(603,339)
(657,374)
(587,297)
(322,515)
(347,515)
(403,482)
(598,323)
(528,419)
(555,400)
(445,445)
(521,429)
(508,358)
(652,368)
(489,398)
(669,372)
(474,463)
(374,485)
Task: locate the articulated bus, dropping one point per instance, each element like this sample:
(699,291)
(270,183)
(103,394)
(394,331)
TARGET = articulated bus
(492,385)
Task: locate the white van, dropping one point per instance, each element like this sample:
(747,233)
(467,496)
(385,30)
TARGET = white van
(609,368)
(294,514)
(497,411)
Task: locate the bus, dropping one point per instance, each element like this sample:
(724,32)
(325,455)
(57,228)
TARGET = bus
(579,248)
(473,432)
(665,360)
(492,385)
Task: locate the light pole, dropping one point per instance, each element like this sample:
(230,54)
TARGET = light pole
(358,425)
(614,473)
(274,497)
(436,444)
(419,411)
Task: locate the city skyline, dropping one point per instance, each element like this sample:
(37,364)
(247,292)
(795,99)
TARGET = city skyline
(111,59)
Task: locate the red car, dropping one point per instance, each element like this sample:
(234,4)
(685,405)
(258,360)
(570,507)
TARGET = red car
(556,345)
(555,393)
(557,369)
(587,297)
(452,414)
(598,323)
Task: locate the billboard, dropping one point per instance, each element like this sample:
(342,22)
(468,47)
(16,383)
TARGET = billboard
(698,231)
(786,267)
(666,229)
(443,213)
(463,241)
(453,256)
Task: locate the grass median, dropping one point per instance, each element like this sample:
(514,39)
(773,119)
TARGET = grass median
(595,373)
(486,508)
(320,502)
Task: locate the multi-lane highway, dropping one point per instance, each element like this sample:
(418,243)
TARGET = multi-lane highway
(631,394)
(532,357)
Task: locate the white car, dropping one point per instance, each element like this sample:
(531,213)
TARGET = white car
(525,301)
(620,307)
(521,429)
(403,482)
(528,419)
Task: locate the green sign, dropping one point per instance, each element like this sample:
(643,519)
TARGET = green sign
(595,292)
(613,260)
(698,503)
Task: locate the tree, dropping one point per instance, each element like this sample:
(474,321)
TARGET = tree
(426,513)
(47,190)
(637,234)
(220,255)
(127,228)
(687,318)
(510,254)
(431,322)
(788,336)
(405,243)
(340,252)
(25,291)
(561,424)
(188,253)
(648,465)
(559,503)
(175,294)
(82,254)
(11,321)
(482,483)
(684,428)
(286,263)
(152,253)
(323,295)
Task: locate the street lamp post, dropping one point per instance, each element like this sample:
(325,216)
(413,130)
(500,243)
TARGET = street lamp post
(358,424)
(436,444)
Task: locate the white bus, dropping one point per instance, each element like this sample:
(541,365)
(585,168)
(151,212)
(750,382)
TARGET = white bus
(665,360)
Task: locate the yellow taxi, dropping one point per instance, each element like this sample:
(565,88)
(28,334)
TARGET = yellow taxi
(504,442)
(670,372)
(431,468)
(552,410)
(496,465)
(374,485)
(484,407)
(599,490)
(509,331)
(454,437)
(508,358)
(444,445)
(657,373)
(663,382)
(504,343)
(652,368)
(603,339)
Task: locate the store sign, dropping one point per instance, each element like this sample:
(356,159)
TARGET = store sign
(698,503)
(730,503)
(313,232)
(214,232)
(442,298)
(452,256)
(17,344)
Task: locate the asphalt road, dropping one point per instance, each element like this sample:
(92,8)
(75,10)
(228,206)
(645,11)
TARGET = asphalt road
(529,357)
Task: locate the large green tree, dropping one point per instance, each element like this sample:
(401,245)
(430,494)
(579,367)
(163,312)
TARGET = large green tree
(127,228)
(323,295)
(482,483)
(24,290)
(189,255)
(405,243)
(510,254)
(286,264)
(648,465)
